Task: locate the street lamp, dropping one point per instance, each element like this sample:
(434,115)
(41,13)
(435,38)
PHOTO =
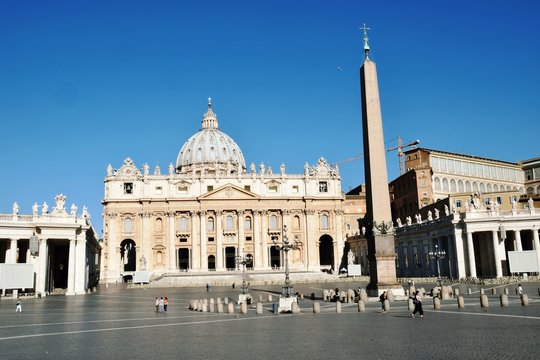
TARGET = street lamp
(244,260)
(287,297)
(437,255)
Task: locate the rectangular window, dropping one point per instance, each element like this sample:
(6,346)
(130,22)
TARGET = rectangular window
(128,188)
(182,240)
(458,203)
(209,188)
(182,189)
(272,188)
(248,238)
(210,239)
(159,190)
(247,187)
(323,186)
(499,200)
(295,189)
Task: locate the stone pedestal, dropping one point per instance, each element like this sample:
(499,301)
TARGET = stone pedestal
(285,303)
(383,266)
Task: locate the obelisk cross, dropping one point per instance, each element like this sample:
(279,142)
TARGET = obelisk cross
(365,29)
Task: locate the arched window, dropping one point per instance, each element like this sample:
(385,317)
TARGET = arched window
(453,187)
(324,221)
(489,188)
(495,187)
(182,224)
(460,186)
(159,257)
(229,223)
(273,222)
(128,225)
(211,262)
(445,186)
(475,186)
(210,226)
(468,187)
(482,188)
(296,222)
(437,183)
(247,223)
(159,225)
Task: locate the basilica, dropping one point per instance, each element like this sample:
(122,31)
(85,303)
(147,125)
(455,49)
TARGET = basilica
(210,209)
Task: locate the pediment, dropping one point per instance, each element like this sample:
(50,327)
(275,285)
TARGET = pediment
(229,192)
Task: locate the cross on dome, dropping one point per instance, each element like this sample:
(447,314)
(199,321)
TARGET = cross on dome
(209,118)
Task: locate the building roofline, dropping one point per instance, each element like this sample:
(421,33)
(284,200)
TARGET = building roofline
(462,155)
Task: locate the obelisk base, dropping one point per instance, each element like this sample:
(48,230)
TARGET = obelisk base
(383,267)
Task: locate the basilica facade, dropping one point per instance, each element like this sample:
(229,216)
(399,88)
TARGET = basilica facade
(209,209)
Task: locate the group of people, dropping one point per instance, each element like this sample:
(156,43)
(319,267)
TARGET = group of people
(161,304)
(416,299)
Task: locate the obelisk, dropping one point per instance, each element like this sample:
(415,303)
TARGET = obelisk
(378,218)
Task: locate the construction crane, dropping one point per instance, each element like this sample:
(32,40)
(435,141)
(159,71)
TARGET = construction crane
(400,148)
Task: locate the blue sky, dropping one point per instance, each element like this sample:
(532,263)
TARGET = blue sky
(87,83)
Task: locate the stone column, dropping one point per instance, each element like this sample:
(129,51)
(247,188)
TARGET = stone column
(536,245)
(42,266)
(145,246)
(457,238)
(496,253)
(219,242)
(13,252)
(241,237)
(195,243)
(113,262)
(172,241)
(258,264)
(338,226)
(312,243)
(264,240)
(71,267)
(81,274)
(517,240)
(470,248)
(204,256)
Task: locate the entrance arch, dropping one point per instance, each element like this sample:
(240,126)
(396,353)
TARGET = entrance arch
(326,252)
(183,259)
(128,255)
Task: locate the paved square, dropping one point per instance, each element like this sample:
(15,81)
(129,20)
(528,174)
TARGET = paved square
(119,323)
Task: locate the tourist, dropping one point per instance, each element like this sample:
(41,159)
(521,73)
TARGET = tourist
(19,306)
(157,304)
(165,303)
(520,290)
(207,287)
(382,299)
(417,301)
(161,304)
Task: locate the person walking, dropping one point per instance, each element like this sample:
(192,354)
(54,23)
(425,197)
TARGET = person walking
(161,304)
(417,300)
(520,290)
(157,304)
(382,298)
(165,303)
(19,306)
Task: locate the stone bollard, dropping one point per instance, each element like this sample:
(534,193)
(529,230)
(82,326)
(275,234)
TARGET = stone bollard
(484,302)
(469,291)
(226,300)
(204,307)
(445,292)
(260,298)
(212,307)
(350,296)
(411,304)
(436,303)
(361,306)
(505,291)
(481,291)
(199,305)
(363,295)
(338,307)
(412,290)
(205,301)
(220,307)
(325,295)
(269,297)
(212,301)
(390,296)
(460,302)
(316,307)
(494,291)
(456,291)
(192,305)
(218,300)
(243,308)
(295,309)
(386,305)
(259,308)
(504,300)
(524,300)
(230,308)
(302,296)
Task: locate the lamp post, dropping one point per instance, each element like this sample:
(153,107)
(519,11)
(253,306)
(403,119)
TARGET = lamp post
(437,255)
(244,260)
(286,246)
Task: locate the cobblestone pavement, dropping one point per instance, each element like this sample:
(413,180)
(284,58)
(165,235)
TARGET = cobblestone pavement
(120,323)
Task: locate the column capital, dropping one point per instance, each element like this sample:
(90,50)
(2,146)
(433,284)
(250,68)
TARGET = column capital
(219,212)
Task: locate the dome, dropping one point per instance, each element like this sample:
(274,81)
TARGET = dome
(210,148)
